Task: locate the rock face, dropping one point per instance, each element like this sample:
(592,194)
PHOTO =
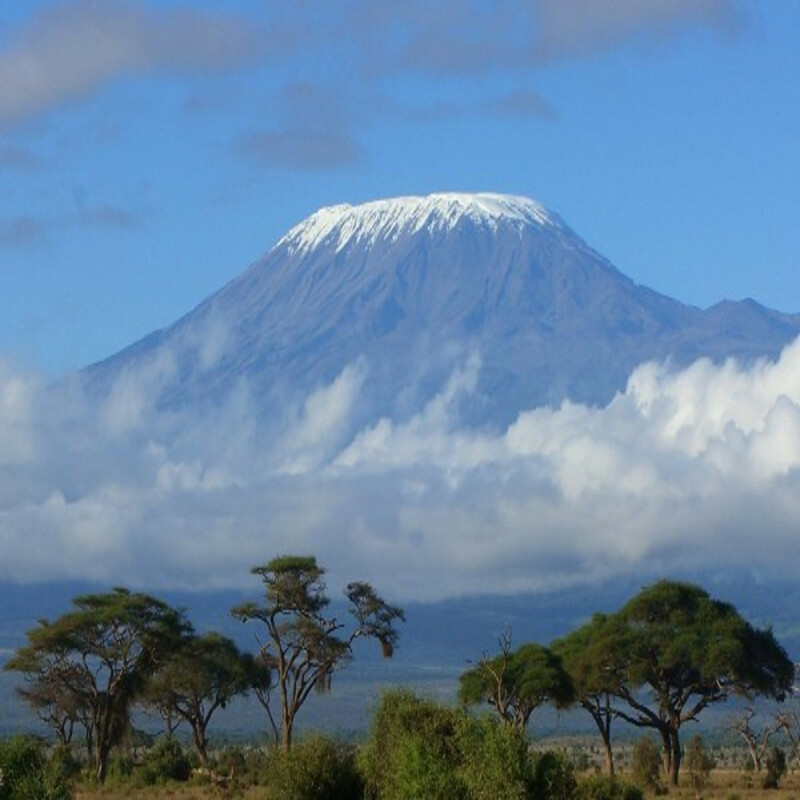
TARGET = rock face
(411,288)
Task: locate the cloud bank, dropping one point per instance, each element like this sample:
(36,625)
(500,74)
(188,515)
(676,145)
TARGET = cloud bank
(686,470)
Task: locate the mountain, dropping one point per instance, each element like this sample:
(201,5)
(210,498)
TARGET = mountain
(410,288)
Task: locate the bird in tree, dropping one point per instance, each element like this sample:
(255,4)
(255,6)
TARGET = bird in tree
(101,655)
(516,682)
(304,643)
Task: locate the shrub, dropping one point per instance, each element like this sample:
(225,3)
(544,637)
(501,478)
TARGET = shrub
(776,767)
(603,787)
(554,777)
(318,768)
(494,760)
(699,763)
(166,761)
(412,751)
(646,765)
(25,772)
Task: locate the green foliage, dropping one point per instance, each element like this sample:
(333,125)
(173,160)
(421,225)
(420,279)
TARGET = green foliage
(318,768)
(646,764)
(699,762)
(554,777)
(25,772)
(203,674)
(97,659)
(604,787)
(515,683)
(775,768)
(412,750)
(166,761)
(420,749)
(304,645)
(494,760)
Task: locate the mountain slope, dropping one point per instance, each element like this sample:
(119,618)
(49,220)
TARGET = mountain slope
(410,288)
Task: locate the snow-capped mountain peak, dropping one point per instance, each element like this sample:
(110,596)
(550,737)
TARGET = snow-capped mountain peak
(409,289)
(386,220)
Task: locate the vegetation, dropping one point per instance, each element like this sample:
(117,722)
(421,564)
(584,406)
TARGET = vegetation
(26,773)
(666,655)
(516,683)
(305,645)
(203,674)
(92,663)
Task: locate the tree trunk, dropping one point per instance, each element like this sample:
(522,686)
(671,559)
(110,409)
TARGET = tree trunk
(666,752)
(676,757)
(609,757)
(200,743)
(286,732)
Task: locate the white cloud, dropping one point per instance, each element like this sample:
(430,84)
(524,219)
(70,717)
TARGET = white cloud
(695,468)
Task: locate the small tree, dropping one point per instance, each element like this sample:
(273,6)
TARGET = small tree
(699,762)
(776,768)
(596,664)
(204,674)
(101,655)
(305,645)
(516,683)
(646,764)
(757,741)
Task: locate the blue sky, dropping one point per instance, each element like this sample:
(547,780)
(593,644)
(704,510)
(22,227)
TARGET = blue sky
(149,151)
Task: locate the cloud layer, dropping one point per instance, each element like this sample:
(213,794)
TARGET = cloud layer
(68,53)
(71,50)
(685,470)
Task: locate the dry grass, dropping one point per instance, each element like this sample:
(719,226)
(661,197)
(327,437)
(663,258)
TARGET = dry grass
(722,785)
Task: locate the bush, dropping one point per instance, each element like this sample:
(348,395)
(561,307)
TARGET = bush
(646,765)
(699,763)
(603,787)
(776,767)
(494,760)
(25,772)
(318,768)
(554,777)
(412,750)
(166,761)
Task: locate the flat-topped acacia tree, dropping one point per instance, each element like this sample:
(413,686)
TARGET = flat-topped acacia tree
(305,645)
(665,656)
(99,656)
(687,651)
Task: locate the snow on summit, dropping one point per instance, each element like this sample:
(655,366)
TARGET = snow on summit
(386,220)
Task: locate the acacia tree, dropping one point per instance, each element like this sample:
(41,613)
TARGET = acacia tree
(100,655)
(596,665)
(516,682)
(54,701)
(687,651)
(756,739)
(205,673)
(304,644)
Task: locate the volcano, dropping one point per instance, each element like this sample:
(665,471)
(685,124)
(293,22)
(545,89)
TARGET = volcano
(411,288)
